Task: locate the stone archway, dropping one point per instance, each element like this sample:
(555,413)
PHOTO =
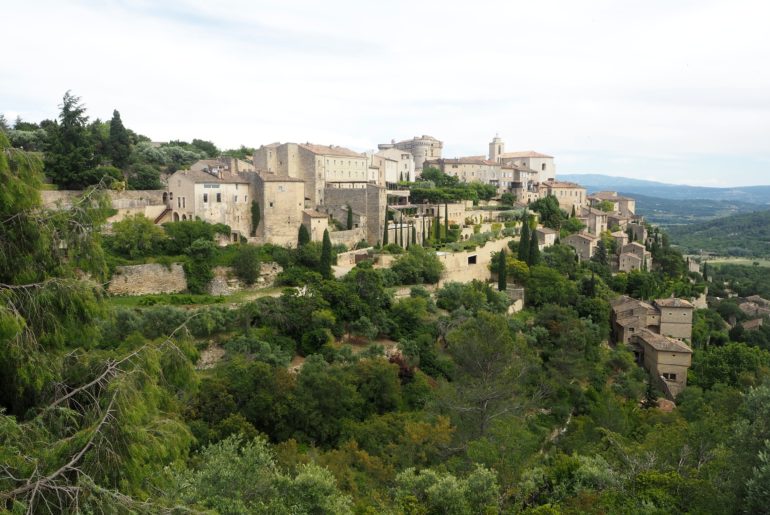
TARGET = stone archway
(184,218)
(165,198)
(176,217)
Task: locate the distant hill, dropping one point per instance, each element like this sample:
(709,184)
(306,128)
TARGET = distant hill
(737,235)
(597,182)
(669,212)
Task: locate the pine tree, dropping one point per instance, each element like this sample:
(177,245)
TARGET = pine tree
(523,254)
(119,145)
(502,271)
(69,150)
(303,237)
(350,218)
(326,256)
(534,250)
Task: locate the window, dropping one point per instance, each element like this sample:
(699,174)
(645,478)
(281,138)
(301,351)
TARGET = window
(271,204)
(235,199)
(471,260)
(219,197)
(205,197)
(245,198)
(542,166)
(669,376)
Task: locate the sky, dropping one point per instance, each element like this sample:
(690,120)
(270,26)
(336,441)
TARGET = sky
(674,91)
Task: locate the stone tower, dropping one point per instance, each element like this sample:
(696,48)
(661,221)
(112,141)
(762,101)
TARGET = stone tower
(496,148)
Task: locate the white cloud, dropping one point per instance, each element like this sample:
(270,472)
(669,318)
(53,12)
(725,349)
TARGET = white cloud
(604,85)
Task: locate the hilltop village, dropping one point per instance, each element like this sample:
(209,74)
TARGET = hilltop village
(374,200)
(305,328)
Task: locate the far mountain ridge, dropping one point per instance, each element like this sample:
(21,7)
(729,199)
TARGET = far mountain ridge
(759,194)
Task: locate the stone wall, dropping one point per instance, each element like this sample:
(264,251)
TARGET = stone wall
(151,278)
(370,201)
(129,199)
(466,266)
(348,238)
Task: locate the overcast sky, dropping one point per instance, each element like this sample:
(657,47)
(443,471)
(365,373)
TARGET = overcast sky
(677,91)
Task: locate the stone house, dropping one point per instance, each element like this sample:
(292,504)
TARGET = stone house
(422,148)
(668,317)
(394,166)
(281,203)
(583,243)
(666,359)
(624,206)
(634,256)
(216,197)
(319,166)
(546,237)
(594,219)
(542,164)
(569,194)
(316,223)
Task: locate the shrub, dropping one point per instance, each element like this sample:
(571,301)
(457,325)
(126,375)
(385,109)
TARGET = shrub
(246,264)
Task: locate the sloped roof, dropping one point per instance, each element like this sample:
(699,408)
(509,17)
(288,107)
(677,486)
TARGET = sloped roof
(524,153)
(199,176)
(330,150)
(663,343)
(673,302)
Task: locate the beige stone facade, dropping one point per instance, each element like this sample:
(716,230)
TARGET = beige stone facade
(217,198)
(281,203)
(370,202)
(666,359)
(147,279)
(319,166)
(393,166)
(669,317)
(583,243)
(316,223)
(422,148)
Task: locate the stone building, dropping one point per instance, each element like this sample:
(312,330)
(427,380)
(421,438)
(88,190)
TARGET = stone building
(666,359)
(223,164)
(624,206)
(594,219)
(583,243)
(393,165)
(319,166)
(545,237)
(529,159)
(316,223)
(634,256)
(216,197)
(669,317)
(477,169)
(281,202)
(422,148)
(370,201)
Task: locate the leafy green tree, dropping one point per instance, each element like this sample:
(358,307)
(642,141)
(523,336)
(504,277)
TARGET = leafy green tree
(491,367)
(418,265)
(69,150)
(119,145)
(325,266)
(606,206)
(199,268)
(181,235)
(144,177)
(207,147)
(246,263)
(524,238)
(551,214)
(507,199)
(547,286)
(137,236)
(502,271)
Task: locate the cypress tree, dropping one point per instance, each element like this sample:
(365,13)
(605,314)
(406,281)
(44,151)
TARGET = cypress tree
(423,230)
(573,212)
(119,147)
(414,234)
(326,256)
(303,237)
(437,226)
(502,271)
(523,254)
(350,218)
(446,220)
(401,230)
(534,250)
(385,233)
(255,217)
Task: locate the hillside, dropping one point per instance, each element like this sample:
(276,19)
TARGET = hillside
(596,182)
(736,235)
(670,212)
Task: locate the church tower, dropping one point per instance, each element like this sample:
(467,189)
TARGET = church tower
(496,149)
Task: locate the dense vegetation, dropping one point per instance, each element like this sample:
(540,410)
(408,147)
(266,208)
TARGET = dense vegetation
(472,411)
(78,153)
(738,235)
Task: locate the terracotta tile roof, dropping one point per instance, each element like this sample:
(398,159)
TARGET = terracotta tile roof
(562,184)
(468,160)
(524,153)
(199,176)
(270,177)
(750,325)
(583,235)
(330,150)
(663,343)
(673,302)
(546,230)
